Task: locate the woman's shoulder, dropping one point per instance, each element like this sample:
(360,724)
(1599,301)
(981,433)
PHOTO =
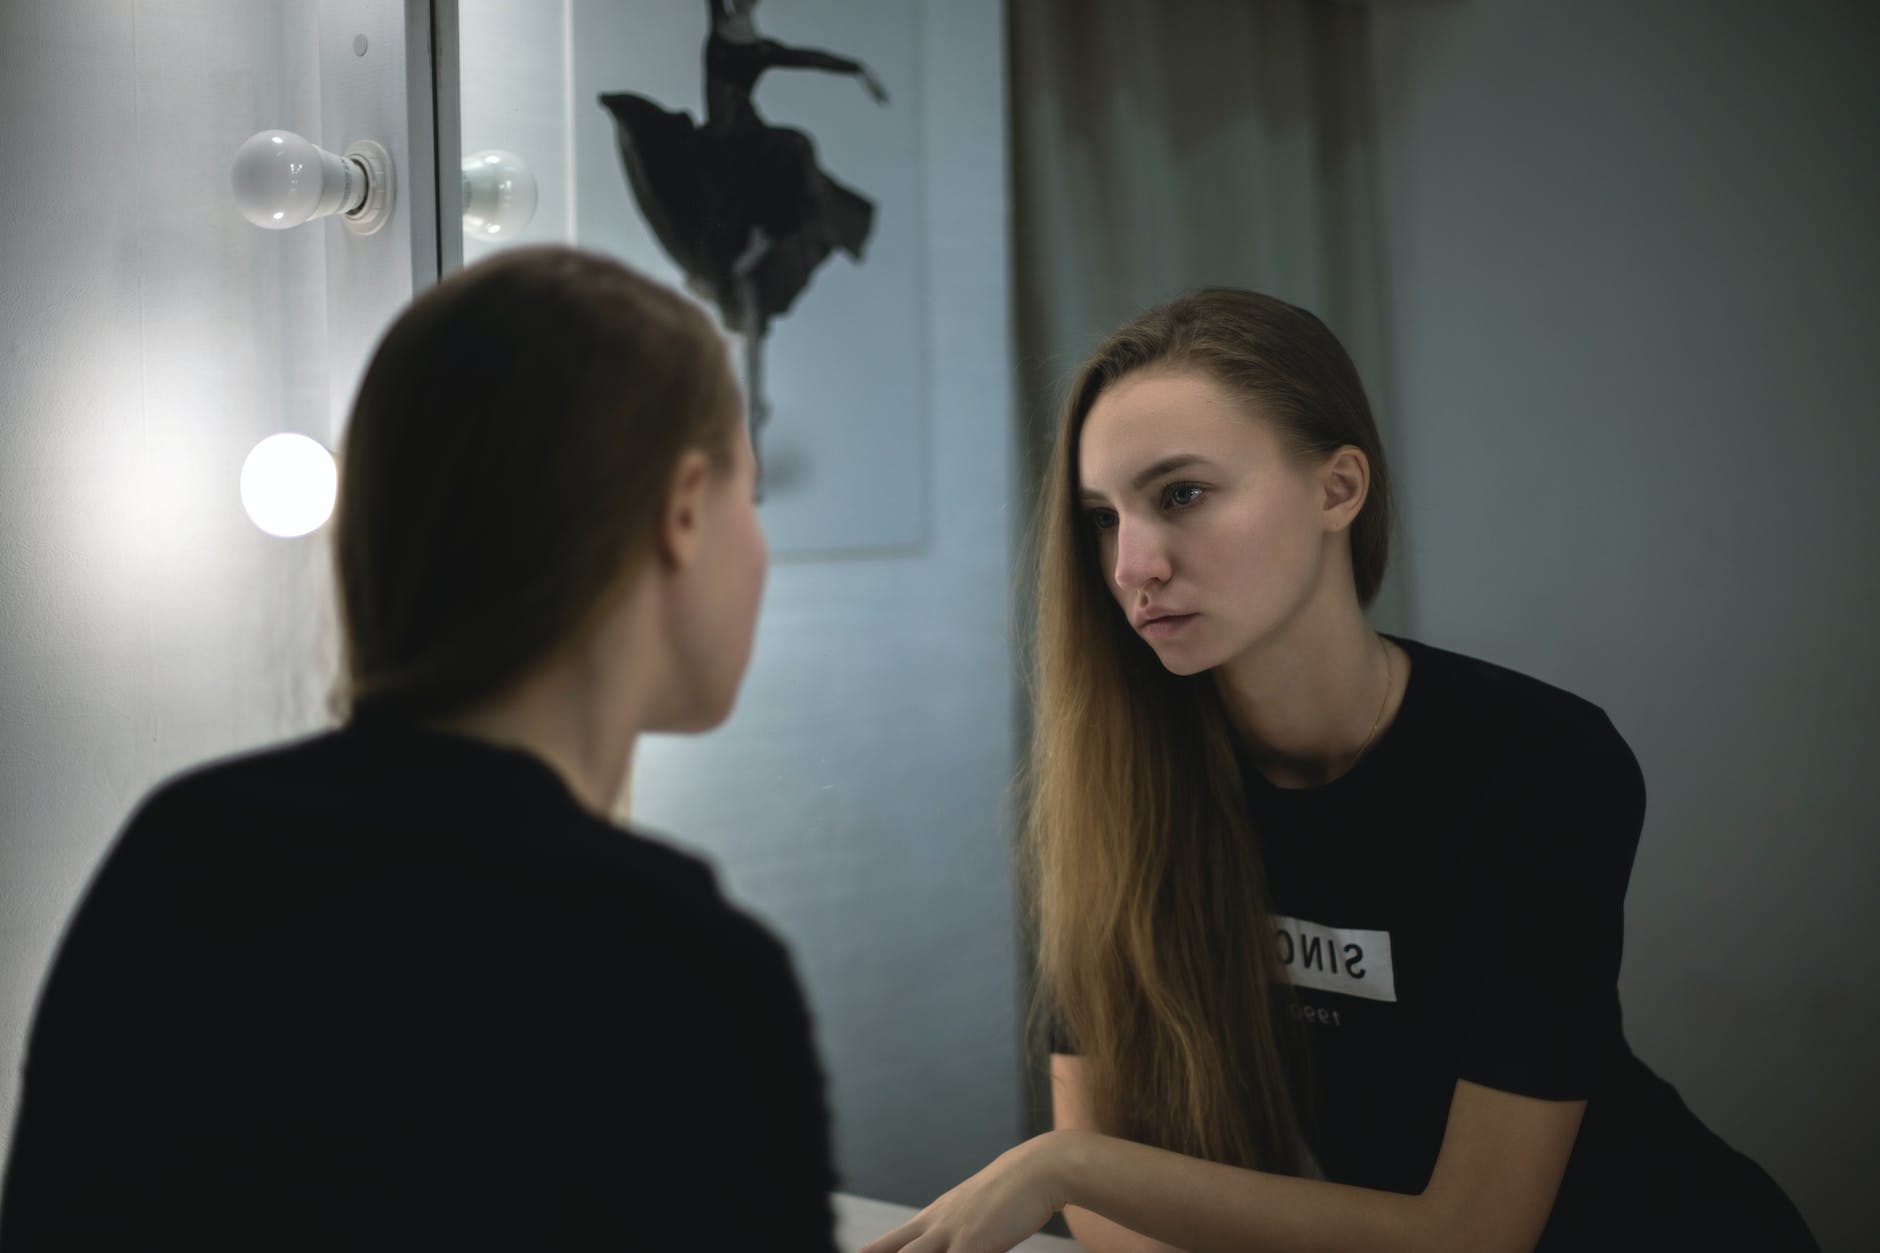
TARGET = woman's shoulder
(197,802)
(479,860)
(1526,739)
(1498,697)
(377,803)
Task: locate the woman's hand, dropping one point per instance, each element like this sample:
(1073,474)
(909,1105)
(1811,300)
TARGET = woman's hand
(989,1213)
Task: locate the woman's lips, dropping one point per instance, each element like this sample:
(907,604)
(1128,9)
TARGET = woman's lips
(1162,628)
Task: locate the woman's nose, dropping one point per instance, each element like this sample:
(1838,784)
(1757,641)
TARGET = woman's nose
(1141,557)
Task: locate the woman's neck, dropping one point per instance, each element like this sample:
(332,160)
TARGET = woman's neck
(1310,703)
(581,709)
(591,753)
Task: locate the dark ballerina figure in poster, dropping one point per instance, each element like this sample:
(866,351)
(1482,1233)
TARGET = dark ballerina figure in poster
(738,204)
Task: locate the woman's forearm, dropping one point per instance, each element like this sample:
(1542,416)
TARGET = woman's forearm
(1098,1234)
(1202,1206)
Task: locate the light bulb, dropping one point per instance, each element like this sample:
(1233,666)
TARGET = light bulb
(289,483)
(498,194)
(282,180)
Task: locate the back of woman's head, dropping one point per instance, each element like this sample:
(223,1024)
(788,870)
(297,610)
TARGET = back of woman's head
(505,467)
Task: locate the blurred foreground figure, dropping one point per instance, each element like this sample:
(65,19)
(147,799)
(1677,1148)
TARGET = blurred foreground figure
(404,984)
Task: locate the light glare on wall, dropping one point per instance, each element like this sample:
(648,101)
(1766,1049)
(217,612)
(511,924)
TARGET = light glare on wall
(289,483)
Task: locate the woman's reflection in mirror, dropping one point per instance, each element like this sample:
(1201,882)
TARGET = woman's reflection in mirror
(1328,921)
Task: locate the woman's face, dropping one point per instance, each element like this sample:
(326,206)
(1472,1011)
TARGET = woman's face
(1210,534)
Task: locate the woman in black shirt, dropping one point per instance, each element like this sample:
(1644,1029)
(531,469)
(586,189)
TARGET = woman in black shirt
(1328,922)
(404,984)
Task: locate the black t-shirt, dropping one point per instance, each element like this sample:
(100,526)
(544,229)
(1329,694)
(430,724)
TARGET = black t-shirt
(1453,908)
(389,987)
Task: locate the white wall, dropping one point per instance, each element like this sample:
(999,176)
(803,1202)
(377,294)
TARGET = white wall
(1633,267)
(151,337)
(857,798)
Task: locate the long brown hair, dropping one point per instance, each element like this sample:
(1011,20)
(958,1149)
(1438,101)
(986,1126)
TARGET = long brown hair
(1146,891)
(505,466)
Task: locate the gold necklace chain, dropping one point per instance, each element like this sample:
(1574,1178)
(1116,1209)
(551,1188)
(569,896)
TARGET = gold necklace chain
(1381,707)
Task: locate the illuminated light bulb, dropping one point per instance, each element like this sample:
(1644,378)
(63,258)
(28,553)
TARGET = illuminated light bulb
(289,483)
(498,194)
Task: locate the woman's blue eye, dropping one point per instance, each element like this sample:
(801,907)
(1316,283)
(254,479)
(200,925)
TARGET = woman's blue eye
(1101,519)
(1181,495)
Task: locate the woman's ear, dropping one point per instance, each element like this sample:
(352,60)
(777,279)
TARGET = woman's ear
(1345,479)
(682,520)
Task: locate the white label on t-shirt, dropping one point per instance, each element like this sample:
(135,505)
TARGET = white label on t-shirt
(1335,959)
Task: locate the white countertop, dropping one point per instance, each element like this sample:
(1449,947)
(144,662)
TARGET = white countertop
(859,1220)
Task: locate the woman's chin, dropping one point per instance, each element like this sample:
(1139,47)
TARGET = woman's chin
(1183,661)
(693,719)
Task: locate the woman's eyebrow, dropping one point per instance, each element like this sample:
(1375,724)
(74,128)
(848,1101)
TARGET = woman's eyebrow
(1168,465)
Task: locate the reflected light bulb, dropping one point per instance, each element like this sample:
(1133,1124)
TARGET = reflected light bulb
(499,194)
(289,483)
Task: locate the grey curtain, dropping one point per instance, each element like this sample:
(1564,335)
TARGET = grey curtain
(1163,146)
